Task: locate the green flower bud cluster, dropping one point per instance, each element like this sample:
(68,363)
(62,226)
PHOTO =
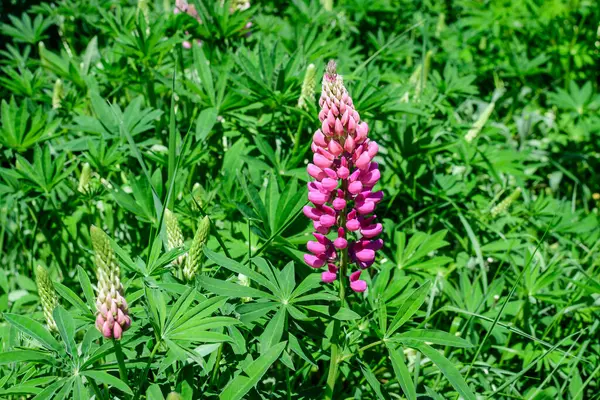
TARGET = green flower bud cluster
(47,294)
(195,255)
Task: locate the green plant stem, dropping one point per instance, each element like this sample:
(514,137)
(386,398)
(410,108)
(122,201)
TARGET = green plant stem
(217,363)
(145,373)
(96,389)
(366,347)
(120,361)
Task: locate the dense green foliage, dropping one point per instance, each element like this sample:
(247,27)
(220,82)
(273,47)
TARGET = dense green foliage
(487,114)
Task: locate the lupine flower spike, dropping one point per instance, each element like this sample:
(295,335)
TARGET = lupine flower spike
(174,235)
(196,253)
(342,191)
(308,87)
(47,295)
(505,204)
(112,317)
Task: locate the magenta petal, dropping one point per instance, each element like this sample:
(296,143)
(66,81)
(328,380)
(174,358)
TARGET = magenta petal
(99,322)
(358,286)
(339,204)
(363,161)
(365,208)
(340,243)
(318,198)
(312,213)
(330,184)
(327,220)
(315,171)
(365,255)
(316,247)
(107,330)
(328,277)
(371,231)
(314,261)
(335,148)
(355,187)
(321,161)
(319,138)
(117,331)
(353,225)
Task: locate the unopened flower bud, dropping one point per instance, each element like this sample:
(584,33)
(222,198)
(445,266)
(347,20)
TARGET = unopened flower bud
(196,253)
(47,294)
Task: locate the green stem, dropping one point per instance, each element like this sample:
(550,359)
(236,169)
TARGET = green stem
(120,361)
(366,347)
(96,389)
(217,363)
(145,373)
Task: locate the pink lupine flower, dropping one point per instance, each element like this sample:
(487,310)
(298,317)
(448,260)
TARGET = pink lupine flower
(342,191)
(112,318)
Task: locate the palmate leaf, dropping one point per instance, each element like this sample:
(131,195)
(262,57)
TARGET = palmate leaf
(373,382)
(66,328)
(9,357)
(240,385)
(110,380)
(410,306)
(231,289)
(448,369)
(35,330)
(402,373)
(416,336)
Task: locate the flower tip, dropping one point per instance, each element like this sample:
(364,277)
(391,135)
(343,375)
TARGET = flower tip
(331,70)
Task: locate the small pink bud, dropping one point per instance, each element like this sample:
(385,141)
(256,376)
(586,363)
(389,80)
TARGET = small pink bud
(117,331)
(351,125)
(319,138)
(331,118)
(334,110)
(99,321)
(335,148)
(327,221)
(339,203)
(339,128)
(349,144)
(363,161)
(312,213)
(345,116)
(340,243)
(107,330)
(325,127)
(373,149)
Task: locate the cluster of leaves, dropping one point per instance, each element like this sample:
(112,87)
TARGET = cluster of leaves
(487,114)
